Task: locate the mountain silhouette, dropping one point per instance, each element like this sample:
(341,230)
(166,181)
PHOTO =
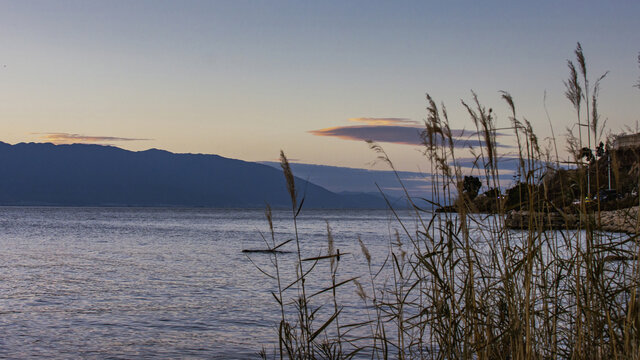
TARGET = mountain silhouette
(97,175)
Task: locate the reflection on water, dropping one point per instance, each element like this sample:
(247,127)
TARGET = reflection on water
(156,283)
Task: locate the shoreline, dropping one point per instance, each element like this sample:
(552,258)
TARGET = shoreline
(622,220)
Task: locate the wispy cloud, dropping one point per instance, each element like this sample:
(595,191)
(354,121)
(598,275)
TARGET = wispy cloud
(66,138)
(409,135)
(387,130)
(384,121)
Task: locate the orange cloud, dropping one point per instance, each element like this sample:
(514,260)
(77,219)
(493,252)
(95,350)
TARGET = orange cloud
(66,138)
(384,121)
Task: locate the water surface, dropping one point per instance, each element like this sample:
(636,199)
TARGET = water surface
(158,283)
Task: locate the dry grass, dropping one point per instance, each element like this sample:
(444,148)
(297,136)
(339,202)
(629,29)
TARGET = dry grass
(462,285)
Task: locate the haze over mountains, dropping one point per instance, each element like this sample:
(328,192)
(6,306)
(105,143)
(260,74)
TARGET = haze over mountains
(96,175)
(353,180)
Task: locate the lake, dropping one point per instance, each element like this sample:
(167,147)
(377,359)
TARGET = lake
(162,283)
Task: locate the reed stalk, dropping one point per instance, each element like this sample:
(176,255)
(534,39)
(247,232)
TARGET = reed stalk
(463,284)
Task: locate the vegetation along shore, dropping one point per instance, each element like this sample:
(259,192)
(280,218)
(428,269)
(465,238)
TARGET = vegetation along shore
(484,277)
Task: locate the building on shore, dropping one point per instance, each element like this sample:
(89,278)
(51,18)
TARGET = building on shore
(623,142)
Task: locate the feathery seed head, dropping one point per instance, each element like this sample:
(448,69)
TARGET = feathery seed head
(288,175)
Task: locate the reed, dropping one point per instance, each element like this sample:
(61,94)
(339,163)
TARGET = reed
(463,284)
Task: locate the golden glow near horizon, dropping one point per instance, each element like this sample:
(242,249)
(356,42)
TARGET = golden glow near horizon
(385,121)
(64,138)
(244,80)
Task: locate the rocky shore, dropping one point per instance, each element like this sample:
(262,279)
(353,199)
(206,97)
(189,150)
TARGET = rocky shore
(622,220)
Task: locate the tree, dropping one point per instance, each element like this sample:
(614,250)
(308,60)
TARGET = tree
(492,193)
(470,186)
(587,154)
(600,150)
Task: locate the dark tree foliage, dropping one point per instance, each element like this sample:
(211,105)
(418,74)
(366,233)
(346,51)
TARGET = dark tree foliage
(518,196)
(600,150)
(471,185)
(492,193)
(587,154)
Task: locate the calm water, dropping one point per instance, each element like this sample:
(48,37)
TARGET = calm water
(158,283)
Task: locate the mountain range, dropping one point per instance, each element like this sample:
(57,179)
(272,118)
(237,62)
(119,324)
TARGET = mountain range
(98,175)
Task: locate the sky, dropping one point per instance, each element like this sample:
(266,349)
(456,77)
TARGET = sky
(244,79)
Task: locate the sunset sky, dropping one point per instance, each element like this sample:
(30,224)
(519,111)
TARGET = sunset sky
(244,79)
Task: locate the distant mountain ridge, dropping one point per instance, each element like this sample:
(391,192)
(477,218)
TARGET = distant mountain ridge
(97,175)
(344,180)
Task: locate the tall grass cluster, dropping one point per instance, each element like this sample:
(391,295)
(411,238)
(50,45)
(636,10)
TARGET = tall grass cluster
(462,284)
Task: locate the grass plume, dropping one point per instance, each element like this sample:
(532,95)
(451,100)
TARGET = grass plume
(463,284)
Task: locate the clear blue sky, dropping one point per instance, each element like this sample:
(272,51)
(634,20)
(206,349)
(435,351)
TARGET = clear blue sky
(244,79)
